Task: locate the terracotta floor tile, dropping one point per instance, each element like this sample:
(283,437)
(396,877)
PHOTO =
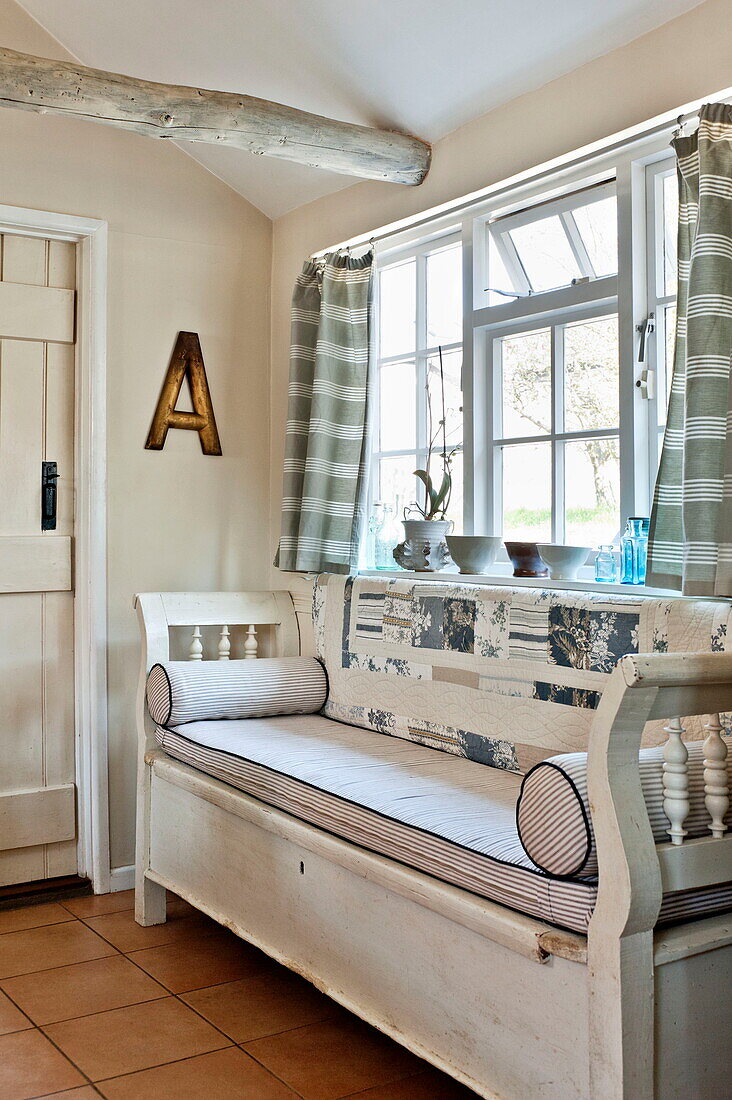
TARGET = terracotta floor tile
(54,945)
(31,1066)
(100,903)
(225,1075)
(129,1039)
(198,963)
(334,1058)
(123,931)
(81,989)
(32,916)
(431,1085)
(11,1018)
(86,1091)
(265,1004)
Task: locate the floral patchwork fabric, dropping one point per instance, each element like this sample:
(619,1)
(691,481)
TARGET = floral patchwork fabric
(504,676)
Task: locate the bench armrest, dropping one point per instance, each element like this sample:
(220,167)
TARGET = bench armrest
(642,687)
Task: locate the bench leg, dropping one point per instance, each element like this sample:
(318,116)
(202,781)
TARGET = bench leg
(621,1017)
(150,902)
(150,897)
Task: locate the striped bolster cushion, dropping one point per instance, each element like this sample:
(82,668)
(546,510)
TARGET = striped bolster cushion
(193,691)
(553,810)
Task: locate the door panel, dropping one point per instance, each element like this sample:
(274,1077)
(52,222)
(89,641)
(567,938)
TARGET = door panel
(35,563)
(37,768)
(37,312)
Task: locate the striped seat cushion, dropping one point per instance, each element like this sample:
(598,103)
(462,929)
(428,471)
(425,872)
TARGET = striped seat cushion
(193,691)
(446,816)
(553,811)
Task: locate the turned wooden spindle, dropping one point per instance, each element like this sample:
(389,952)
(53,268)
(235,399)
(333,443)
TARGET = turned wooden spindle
(251,644)
(224,644)
(675,780)
(716,783)
(195,652)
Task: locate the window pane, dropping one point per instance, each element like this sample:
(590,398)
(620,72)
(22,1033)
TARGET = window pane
(545,253)
(669,322)
(501,287)
(397,308)
(455,509)
(670,228)
(591,491)
(591,375)
(598,226)
(527,492)
(445,297)
(397,407)
(452,362)
(526,367)
(397,483)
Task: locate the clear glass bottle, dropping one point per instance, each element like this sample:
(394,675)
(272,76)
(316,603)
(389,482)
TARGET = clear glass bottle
(634,550)
(376,522)
(387,537)
(606,569)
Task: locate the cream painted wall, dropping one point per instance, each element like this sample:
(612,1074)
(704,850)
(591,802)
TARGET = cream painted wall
(688,58)
(185,252)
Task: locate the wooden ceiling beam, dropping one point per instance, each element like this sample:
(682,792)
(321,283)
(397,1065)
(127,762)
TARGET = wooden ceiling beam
(220,118)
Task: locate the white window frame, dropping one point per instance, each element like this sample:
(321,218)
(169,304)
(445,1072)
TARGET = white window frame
(500,230)
(420,355)
(494,334)
(657,301)
(625,167)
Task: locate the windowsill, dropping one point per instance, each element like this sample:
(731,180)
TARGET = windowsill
(502,574)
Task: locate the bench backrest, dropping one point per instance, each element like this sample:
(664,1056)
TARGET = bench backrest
(506,676)
(158,612)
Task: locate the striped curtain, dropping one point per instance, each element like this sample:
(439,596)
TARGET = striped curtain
(326,441)
(690,544)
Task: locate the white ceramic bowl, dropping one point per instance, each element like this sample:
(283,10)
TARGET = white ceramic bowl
(473,553)
(564,562)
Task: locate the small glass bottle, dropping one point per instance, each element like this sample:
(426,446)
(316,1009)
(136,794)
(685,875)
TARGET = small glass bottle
(606,569)
(376,522)
(634,550)
(387,537)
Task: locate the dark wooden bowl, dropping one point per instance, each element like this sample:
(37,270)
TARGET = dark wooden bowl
(526,559)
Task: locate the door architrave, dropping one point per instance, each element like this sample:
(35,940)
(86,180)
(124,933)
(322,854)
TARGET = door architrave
(90,515)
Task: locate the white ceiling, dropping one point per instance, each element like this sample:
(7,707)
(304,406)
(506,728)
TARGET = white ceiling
(424,66)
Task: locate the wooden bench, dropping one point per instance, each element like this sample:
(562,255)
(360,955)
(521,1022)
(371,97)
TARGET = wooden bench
(511,1006)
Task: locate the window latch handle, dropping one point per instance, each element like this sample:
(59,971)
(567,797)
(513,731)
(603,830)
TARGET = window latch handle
(645,329)
(647,384)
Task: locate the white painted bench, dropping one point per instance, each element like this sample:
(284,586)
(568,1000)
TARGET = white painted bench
(510,1005)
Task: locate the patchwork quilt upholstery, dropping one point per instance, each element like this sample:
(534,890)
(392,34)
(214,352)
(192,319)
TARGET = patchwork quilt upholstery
(450,818)
(503,676)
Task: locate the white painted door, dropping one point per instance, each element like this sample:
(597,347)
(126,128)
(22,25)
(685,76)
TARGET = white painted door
(37,794)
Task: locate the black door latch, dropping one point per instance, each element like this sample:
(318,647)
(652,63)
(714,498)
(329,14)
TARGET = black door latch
(49,474)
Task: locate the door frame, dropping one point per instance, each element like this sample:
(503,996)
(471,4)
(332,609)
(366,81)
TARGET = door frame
(90,524)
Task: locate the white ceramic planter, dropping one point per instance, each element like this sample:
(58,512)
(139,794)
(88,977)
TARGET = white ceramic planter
(424,549)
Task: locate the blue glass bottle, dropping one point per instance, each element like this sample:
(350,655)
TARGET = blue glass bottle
(606,570)
(634,550)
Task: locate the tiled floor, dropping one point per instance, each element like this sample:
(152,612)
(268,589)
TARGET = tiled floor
(91,1004)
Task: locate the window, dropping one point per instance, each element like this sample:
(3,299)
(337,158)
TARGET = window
(555,445)
(550,246)
(658,350)
(420,312)
(569,300)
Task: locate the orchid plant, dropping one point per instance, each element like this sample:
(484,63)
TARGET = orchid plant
(436,500)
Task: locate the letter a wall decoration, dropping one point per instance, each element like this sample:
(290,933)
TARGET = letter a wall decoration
(186,359)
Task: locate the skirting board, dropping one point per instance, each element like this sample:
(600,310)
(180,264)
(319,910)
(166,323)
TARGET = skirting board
(121,878)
